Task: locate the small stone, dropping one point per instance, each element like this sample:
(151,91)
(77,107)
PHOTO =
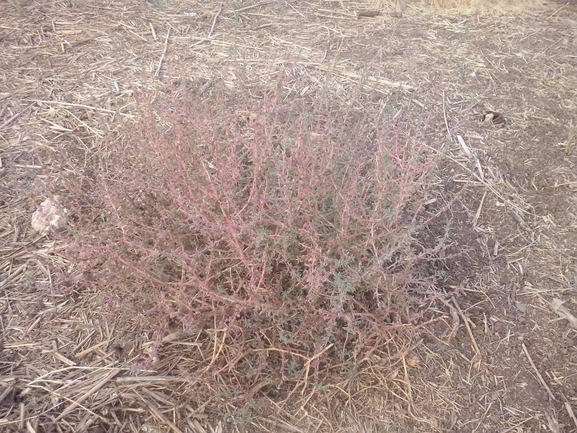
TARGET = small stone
(49,215)
(521,307)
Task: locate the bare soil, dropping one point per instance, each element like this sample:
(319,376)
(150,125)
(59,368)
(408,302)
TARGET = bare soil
(498,355)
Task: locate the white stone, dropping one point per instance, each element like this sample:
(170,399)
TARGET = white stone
(50,214)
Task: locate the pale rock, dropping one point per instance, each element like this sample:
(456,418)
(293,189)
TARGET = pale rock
(49,215)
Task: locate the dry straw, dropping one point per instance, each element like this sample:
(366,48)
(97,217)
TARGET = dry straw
(70,71)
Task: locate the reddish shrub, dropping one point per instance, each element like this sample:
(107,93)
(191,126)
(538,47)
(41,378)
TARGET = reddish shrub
(286,223)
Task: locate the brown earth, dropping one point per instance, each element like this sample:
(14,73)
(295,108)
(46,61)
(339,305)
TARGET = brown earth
(501,355)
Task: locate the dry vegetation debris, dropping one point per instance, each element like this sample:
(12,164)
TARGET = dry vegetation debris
(498,358)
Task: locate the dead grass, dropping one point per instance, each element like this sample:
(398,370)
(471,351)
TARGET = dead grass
(69,72)
(463,7)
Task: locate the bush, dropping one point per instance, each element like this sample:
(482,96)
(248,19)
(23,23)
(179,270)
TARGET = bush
(286,226)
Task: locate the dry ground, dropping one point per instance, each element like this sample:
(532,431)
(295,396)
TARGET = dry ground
(502,354)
